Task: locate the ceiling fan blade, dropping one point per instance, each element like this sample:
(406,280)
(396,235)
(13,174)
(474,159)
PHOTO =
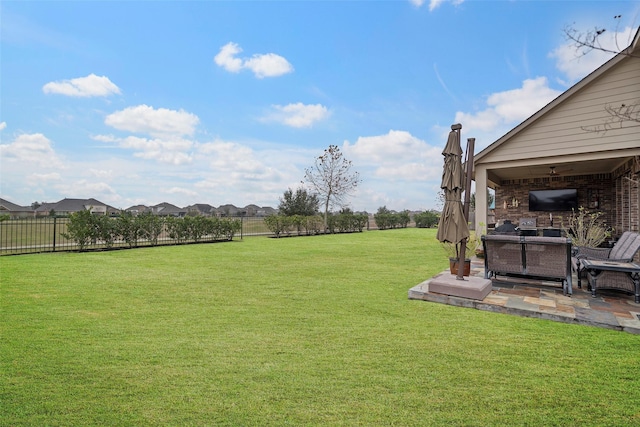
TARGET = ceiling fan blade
(553,171)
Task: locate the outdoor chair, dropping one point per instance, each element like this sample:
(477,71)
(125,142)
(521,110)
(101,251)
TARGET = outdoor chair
(615,280)
(623,251)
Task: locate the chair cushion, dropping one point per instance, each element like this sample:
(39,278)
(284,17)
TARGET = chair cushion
(626,247)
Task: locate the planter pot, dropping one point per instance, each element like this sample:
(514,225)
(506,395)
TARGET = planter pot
(480,253)
(453,266)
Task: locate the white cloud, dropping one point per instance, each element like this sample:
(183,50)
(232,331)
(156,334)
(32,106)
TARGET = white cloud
(102,174)
(89,189)
(518,104)
(3,125)
(229,156)
(174,158)
(104,138)
(84,189)
(89,86)
(262,65)
(298,115)
(576,62)
(43,178)
(398,155)
(233,159)
(239,171)
(169,149)
(433,4)
(180,190)
(226,57)
(146,119)
(31,149)
(507,109)
(268,65)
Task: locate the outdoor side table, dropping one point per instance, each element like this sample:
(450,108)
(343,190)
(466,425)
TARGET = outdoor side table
(623,276)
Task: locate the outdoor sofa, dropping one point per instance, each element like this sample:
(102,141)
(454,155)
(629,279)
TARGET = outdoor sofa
(529,256)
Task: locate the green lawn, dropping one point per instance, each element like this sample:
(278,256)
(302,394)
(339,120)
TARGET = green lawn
(292,331)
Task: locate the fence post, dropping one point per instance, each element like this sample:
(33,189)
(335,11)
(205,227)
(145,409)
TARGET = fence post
(55,221)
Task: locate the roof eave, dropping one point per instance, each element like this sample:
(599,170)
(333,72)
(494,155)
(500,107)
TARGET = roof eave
(563,96)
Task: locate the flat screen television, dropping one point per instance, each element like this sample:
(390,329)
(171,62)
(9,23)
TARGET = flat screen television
(553,200)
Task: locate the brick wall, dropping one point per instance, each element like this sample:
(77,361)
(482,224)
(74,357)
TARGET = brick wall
(626,187)
(512,197)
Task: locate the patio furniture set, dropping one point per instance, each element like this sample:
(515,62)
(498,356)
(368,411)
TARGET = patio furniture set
(554,258)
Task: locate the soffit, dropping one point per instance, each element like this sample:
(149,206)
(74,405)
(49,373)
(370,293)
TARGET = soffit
(542,169)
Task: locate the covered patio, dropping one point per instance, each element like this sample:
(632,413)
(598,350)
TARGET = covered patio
(587,140)
(586,143)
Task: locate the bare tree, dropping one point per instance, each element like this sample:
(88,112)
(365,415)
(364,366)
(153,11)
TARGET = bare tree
(618,114)
(331,179)
(589,41)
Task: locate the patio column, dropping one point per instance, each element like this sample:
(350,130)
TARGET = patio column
(482,209)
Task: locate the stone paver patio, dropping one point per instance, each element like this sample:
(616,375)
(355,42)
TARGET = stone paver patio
(544,300)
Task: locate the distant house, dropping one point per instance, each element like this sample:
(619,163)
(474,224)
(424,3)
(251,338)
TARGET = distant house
(201,209)
(69,206)
(14,211)
(266,211)
(251,210)
(228,210)
(167,209)
(137,209)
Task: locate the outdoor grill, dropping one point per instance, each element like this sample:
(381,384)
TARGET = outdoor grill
(527,227)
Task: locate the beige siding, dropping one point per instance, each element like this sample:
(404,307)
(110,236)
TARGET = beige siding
(564,130)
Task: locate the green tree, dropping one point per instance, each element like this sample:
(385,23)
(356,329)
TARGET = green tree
(81,229)
(129,228)
(331,179)
(490,197)
(298,203)
(177,229)
(404,218)
(277,224)
(106,229)
(383,218)
(426,219)
(150,226)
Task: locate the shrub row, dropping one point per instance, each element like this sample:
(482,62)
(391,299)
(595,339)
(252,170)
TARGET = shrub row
(196,227)
(344,222)
(298,224)
(385,220)
(84,228)
(347,222)
(426,219)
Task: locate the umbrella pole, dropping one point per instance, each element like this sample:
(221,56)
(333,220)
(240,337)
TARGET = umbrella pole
(467,200)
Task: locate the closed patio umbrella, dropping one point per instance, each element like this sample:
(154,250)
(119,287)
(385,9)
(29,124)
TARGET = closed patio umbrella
(453,226)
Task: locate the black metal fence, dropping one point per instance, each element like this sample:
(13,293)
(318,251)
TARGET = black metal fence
(47,234)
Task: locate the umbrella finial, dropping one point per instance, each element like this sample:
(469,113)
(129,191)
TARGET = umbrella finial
(456,126)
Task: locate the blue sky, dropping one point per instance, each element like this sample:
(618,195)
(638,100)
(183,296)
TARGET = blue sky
(229,101)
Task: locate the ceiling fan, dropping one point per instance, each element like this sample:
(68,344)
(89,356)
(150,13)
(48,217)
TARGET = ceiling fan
(554,172)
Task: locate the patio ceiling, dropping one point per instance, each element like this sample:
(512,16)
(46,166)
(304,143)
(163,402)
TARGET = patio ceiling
(542,170)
